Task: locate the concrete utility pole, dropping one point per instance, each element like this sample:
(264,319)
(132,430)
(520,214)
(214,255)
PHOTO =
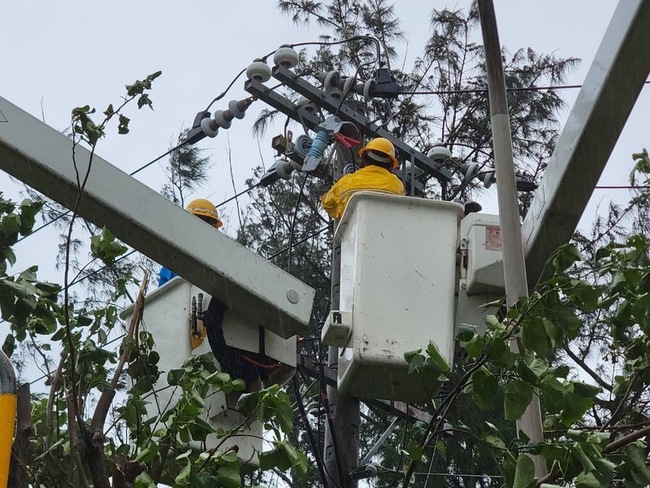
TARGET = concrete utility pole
(341,446)
(513,251)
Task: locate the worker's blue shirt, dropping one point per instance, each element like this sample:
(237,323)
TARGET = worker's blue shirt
(164,275)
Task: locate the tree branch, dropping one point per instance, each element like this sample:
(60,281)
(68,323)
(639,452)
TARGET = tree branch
(587,369)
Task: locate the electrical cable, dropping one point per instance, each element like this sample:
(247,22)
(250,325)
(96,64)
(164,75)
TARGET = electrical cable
(313,234)
(315,444)
(401,454)
(223,94)
(325,401)
(484,90)
(342,41)
(293,220)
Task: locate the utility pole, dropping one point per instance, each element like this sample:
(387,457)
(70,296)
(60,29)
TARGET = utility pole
(341,446)
(514,264)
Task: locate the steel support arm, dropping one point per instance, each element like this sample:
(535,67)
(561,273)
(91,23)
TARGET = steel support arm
(369,129)
(259,291)
(282,103)
(610,90)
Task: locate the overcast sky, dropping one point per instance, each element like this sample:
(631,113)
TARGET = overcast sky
(58,55)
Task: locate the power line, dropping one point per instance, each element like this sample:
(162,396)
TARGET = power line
(484,90)
(622,187)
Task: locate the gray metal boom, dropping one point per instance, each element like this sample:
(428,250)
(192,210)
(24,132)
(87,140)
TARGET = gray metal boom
(259,291)
(610,90)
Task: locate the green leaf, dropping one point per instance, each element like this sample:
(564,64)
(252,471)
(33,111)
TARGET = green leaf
(495,442)
(491,321)
(485,384)
(474,347)
(565,257)
(524,472)
(533,334)
(434,353)
(465,332)
(229,477)
(147,454)
(248,402)
(269,459)
(143,480)
(518,396)
(525,372)
(587,480)
(184,475)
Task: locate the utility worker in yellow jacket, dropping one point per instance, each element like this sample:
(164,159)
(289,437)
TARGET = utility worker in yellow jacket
(377,159)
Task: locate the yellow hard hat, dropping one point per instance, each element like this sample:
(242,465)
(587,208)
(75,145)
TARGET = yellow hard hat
(382,146)
(205,208)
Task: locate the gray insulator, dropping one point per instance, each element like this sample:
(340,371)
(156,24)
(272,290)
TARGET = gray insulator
(366,89)
(222,119)
(471,171)
(439,153)
(409,168)
(286,57)
(284,169)
(348,85)
(295,165)
(349,168)
(258,71)
(306,104)
(302,145)
(488,179)
(331,84)
(238,108)
(209,127)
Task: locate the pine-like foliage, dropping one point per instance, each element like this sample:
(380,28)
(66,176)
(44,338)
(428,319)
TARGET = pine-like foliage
(445,101)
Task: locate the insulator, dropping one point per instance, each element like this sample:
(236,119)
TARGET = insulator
(439,153)
(209,127)
(238,107)
(366,89)
(331,80)
(317,147)
(284,168)
(488,179)
(471,170)
(258,70)
(308,105)
(302,145)
(348,85)
(223,119)
(286,57)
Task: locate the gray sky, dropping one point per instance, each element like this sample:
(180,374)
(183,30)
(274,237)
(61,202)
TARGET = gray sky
(58,55)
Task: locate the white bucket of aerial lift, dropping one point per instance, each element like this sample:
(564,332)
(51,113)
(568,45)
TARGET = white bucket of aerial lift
(167,317)
(398,277)
(482,267)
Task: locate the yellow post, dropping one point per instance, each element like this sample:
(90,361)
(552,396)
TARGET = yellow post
(7,419)
(7,415)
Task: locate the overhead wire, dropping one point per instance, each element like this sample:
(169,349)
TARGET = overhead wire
(484,90)
(315,445)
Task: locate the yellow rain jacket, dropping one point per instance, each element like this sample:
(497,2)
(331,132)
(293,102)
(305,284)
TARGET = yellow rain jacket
(371,177)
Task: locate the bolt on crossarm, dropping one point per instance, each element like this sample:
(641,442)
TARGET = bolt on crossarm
(513,252)
(7,414)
